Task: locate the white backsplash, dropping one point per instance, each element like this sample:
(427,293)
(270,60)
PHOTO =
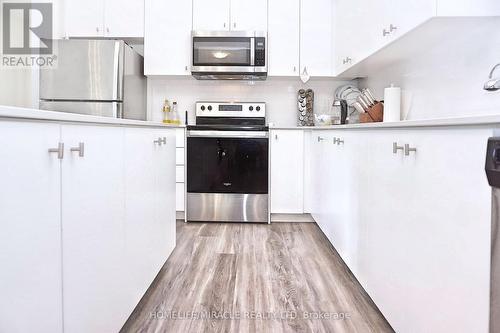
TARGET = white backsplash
(280,95)
(447,79)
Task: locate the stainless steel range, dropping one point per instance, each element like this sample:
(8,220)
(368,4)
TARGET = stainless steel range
(228,163)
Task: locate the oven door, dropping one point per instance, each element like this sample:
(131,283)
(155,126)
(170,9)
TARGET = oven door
(223,52)
(227,162)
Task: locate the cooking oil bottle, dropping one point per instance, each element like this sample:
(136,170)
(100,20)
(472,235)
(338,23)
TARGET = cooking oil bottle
(167,112)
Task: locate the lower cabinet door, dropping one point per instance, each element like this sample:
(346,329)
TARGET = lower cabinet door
(149,205)
(287,171)
(425,228)
(30,222)
(95,271)
(165,202)
(140,206)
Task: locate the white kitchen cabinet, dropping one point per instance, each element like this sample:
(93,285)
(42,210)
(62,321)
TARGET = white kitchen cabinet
(84,18)
(230,15)
(287,171)
(93,196)
(249,15)
(140,209)
(283,38)
(100,223)
(355,41)
(441,231)
(124,18)
(165,221)
(109,18)
(211,15)
(316,37)
(30,220)
(409,226)
(149,206)
(357,45)
(167,37)
(333,190)
(180,172)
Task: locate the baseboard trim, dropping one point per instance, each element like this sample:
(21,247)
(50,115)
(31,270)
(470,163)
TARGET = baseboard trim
(179,215)
(292,218)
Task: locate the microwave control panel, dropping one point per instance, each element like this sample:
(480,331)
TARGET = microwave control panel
(260,51)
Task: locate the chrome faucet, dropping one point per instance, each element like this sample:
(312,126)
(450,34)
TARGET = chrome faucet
(493,84)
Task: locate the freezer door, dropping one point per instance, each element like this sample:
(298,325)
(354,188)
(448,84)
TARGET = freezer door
(89,70)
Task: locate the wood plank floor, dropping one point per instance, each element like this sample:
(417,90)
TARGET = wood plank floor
(283,277)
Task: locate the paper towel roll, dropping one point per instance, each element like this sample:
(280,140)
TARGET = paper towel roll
(392,103)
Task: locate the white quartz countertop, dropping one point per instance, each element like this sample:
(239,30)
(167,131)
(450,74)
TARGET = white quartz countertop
(9,112)
(436,122)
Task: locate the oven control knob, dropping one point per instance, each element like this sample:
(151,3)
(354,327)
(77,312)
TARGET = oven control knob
(250,108)
(257,108)
(202,108)
(210,108)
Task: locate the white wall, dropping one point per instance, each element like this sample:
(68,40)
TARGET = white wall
(280,94)
(446,80)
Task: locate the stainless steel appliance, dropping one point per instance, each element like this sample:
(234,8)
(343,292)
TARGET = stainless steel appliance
(493,174)
(95,77)
(228,163)
(229,55)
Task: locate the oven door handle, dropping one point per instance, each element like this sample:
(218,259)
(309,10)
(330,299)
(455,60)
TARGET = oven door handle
(228,134)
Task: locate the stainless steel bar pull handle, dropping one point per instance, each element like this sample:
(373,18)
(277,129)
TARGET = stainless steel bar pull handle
(80,149)
(408,150)
(340,141)
(335,140)
(320,139)
(395,148)
(161,141)
(59,150)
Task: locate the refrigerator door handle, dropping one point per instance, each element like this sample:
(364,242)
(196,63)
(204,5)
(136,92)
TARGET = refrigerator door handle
(116,68)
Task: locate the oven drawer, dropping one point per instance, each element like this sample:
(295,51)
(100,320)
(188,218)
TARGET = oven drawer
(227,165)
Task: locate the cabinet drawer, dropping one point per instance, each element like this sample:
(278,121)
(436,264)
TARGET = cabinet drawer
(179,156)
(179,197)
(180,138)
(179,174)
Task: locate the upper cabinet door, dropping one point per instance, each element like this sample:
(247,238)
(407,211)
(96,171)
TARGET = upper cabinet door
(316,38)
(283,37)
(84,18)
(30,222)
(210,15)
(354,41)
(124,18)
(403,16)
(249,15)
(167,42)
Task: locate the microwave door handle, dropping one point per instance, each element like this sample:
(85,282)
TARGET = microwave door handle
(252,51)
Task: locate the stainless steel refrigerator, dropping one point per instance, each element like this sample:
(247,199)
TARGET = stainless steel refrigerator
(95,77)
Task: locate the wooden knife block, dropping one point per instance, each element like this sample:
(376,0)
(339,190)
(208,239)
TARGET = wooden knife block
(374,114)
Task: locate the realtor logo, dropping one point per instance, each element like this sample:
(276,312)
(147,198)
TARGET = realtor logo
(27,28)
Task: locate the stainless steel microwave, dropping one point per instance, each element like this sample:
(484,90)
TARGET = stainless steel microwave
(229,55)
